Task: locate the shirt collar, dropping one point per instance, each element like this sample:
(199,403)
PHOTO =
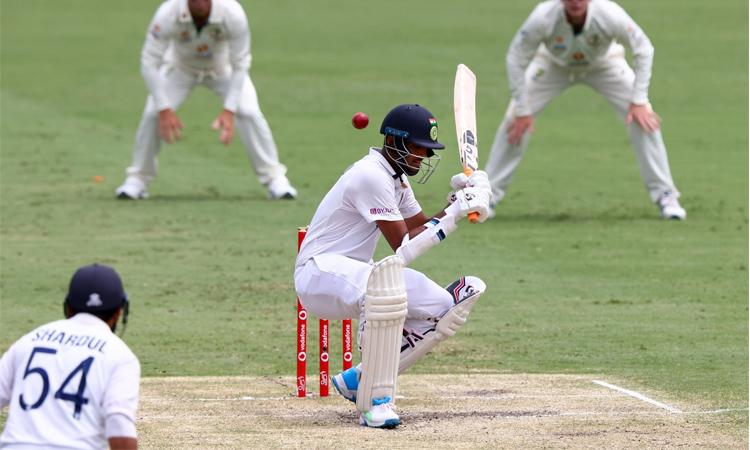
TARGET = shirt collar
(90,320)
(378,155)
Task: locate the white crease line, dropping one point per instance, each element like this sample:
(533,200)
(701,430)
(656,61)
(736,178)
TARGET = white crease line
(639,396)
(528,415)
(400,397)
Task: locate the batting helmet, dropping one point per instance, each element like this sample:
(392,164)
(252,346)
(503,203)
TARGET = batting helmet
(413,123)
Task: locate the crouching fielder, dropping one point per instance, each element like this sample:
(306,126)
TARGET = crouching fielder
(403,314)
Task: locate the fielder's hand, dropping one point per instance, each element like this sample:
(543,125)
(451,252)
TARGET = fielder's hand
(644,116)
(169,125)
(471,199)
(520,126)
(225,123)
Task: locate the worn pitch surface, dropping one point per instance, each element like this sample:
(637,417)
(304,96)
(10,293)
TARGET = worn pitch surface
(438,411)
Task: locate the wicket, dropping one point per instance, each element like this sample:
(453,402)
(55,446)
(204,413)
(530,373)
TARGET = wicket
(346,342)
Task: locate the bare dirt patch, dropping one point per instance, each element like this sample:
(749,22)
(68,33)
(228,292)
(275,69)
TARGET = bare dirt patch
(438,411)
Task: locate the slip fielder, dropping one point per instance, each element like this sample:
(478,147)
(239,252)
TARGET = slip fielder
(569,42)
(201,42)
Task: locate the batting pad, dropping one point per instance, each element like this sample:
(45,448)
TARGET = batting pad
(385,311)
(465,291)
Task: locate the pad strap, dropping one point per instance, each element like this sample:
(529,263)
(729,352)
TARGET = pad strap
(436,230)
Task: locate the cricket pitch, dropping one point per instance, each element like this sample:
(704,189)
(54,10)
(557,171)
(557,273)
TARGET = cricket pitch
(437,411)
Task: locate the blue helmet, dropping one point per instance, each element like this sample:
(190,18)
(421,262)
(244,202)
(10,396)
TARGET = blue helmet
(413,123)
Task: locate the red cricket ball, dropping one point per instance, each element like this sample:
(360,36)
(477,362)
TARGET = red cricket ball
(360,120)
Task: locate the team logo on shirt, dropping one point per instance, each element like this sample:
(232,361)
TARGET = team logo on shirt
(433,129)
(215,33)
(578,56)
(184,36)
(593,40)
(94,301)
(203,51)
(559,44)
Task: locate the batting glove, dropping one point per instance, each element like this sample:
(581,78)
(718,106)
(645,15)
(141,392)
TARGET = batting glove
(468,200)
(459,181)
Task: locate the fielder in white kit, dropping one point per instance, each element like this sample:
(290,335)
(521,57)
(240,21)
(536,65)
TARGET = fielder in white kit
(569,42)
(335,276)
(201,42)
(73,383)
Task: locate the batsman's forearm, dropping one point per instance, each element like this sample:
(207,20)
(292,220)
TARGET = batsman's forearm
(433,233)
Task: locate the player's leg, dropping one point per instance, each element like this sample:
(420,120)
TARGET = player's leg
(255,134)
(615,83)
(385,308)
(332,286)
(434,314)
(544,81)
(144,166)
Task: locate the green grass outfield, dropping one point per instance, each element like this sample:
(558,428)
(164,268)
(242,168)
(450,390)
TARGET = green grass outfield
(583,277)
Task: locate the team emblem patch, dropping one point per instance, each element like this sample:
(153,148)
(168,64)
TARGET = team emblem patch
(433,129)
(94,300)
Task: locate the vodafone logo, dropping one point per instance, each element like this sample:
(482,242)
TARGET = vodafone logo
(302,315)
(348,356)
(324,357)
(302,356)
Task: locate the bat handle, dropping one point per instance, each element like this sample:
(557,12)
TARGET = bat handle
(473,217)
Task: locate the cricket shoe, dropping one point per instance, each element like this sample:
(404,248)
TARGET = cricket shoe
(280,188)
(132,189)
(670,208)
(381,415)
(347,382)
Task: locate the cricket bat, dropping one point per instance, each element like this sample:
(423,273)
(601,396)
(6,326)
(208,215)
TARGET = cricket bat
(464,110)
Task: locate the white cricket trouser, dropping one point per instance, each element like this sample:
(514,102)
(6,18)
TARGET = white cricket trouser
(249,123)
(334,288)
(546,80)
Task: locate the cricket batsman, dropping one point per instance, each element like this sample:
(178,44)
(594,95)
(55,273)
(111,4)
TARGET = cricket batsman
(564,43)
(402,313)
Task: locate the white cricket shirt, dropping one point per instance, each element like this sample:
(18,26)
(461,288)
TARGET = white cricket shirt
(344,223)
(222,46)
(547,33)
(68,384)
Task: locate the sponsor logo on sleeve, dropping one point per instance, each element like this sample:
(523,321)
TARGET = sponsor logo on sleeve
(156,31)
(378,211)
